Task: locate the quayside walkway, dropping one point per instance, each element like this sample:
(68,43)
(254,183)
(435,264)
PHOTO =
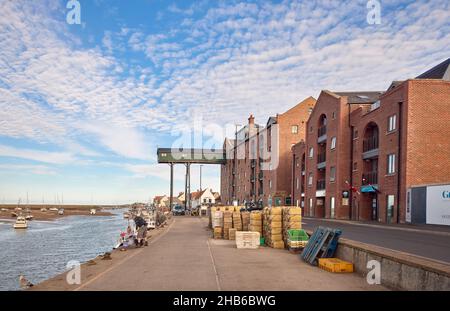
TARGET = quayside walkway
(184,257)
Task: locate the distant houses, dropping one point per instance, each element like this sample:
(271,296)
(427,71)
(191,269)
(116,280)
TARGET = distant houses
(197,198)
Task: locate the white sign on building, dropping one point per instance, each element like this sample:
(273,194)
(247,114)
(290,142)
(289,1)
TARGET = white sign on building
(438,205)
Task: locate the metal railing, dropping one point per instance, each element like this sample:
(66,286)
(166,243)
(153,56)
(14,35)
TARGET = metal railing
(370,143)
(321,130)
(321,157)
(370,178)
(320,184)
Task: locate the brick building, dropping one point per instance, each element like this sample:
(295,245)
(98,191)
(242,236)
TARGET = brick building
(364,150)
(249,174)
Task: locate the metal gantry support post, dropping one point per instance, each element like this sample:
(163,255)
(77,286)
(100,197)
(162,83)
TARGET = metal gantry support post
(171,186)
(187,187)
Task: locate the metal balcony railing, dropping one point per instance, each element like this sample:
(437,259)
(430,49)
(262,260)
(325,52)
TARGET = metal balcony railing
(320,184)
(321,131)
(370,178)
(370,143)
(321,157)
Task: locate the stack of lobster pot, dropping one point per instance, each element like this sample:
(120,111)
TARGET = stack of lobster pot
(237,222)
(292,219)
(273,226)
(256,221)
(217,223)
(245,216)
(227,223)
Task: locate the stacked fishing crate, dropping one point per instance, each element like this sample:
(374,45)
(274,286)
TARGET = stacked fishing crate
(292,219)
(273,227)
(256,222)
(217,224)
(237,221)
(245,216)
(227,224)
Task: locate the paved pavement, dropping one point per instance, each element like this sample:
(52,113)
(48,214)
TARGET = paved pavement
(185,258)
(413,240)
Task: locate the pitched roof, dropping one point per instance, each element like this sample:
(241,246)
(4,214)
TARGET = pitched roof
(360,97)
(394,84)
(158,197)
(440,71)
(197,194)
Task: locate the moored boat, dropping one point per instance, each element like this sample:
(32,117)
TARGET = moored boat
(21,223)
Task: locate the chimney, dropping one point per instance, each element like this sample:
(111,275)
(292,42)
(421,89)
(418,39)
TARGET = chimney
(251,119)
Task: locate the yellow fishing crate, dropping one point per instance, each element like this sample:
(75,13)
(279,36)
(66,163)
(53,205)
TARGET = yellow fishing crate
(335,265)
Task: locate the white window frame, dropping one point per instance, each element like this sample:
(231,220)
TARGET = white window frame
(311,152)
(294,131)
(392,123)
(332,208)
(333,143)
(310,179)
(332,178)
(391,164)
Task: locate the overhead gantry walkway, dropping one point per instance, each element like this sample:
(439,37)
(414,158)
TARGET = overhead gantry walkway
(187,157)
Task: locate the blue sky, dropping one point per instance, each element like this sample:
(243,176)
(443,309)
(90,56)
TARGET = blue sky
(84,107)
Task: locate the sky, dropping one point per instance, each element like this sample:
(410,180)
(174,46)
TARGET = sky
(83,107)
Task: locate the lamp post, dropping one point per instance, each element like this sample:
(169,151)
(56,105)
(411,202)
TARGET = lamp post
(201,165)
(235,161)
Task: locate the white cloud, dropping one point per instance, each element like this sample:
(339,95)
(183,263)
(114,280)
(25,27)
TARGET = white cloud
(28,169)
(37,155)
(126,142)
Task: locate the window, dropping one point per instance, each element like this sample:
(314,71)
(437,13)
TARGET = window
(310,110)
(332,207)
(332,173)
(391,164)
(310,179)
(333,143)
(333,115)
(355,133)
(390,207)
(392,123)
(294,129)
(297,183)
(311,129)
(311,207)
(355,166)
(311,152)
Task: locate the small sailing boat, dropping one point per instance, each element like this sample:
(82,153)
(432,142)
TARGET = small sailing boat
(21,223)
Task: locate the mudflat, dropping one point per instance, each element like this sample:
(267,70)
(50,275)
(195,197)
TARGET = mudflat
(69,210)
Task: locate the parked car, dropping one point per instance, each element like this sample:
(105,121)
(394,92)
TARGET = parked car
(178,210)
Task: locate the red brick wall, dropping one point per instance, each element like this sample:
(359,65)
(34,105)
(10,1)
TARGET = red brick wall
(327,104)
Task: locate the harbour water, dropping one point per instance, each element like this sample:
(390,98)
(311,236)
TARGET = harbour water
(44,249)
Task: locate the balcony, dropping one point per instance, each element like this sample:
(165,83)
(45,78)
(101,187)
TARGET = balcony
(320,184)
(322,134)
(321,160)
(320,188)
(253,163)
(370,178)
(370,148)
